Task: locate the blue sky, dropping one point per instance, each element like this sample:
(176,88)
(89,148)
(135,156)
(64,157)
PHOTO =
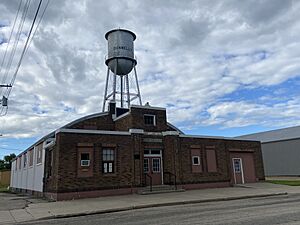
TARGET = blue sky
(220,69)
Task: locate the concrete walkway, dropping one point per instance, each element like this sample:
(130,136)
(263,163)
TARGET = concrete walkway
(46,210)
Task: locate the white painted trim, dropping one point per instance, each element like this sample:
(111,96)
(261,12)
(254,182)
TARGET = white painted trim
(201,136)
(154,119)
(136,131)
(242,170)
(147,107)
(52,143)
(82,131)
(156,172)
(153,133)
(121,116)
(170,133)
(144,166)
(195,156)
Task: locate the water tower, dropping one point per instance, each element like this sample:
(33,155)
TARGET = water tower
(120,86)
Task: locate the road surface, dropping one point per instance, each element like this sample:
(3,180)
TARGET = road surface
(258,211)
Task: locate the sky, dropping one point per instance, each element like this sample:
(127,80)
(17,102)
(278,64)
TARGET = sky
(222,68)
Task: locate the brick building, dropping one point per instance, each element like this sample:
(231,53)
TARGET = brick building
(121,151)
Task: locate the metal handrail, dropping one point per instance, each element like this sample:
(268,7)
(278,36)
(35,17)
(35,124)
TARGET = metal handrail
(175,178)
(150,179)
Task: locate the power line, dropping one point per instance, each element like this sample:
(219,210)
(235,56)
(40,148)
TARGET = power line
(29,39)
(36,27)
(17,38)
(8,42)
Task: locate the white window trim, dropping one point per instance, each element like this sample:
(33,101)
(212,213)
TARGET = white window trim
(85,165)
(154,119)
(148,169)
(159,160)
(194,164)
(242,170)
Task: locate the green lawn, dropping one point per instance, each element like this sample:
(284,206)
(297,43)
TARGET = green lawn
(286,182)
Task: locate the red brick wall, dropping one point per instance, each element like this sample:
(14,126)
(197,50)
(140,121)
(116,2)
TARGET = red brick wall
(127,122)
(67,160)
(104,122)
(185,161)
(129,160)
(257,155)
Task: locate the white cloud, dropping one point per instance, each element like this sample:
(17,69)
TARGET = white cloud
(190,54)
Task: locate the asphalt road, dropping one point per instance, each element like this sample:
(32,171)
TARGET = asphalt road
(264,211)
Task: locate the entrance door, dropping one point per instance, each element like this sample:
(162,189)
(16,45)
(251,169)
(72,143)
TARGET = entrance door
(152,167)
(238,172)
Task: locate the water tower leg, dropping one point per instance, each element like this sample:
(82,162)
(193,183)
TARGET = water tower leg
(137,85)
(127,90)
(105,93)
(121,78)
(115,82)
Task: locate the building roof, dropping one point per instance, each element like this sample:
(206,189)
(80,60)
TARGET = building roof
(274,135)
(52,134)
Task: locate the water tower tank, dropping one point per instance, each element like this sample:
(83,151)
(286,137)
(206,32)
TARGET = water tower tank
(120,51)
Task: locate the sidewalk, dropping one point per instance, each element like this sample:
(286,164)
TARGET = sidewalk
(45,210)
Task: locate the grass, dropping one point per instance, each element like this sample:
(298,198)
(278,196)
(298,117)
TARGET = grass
(286,182)
(3,188)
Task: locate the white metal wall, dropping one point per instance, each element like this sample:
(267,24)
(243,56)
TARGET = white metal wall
(28,177)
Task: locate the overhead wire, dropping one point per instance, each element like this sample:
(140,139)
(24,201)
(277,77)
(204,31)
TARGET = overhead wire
(8,43)
(36,27)
(11,56)
(29,39)
(17,38)
(24,49)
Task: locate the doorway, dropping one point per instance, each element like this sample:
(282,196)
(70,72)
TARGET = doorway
(153,165)
(238,172)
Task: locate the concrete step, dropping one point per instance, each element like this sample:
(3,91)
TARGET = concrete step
(159,189)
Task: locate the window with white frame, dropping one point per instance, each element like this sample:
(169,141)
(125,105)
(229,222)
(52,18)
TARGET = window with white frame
(237,165)
(196,160)
(146,165)
(155,165)
(149,119)
(85,159)
(108,160)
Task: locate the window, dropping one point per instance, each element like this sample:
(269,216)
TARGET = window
(146,165)
(196,160)
(149,120)
(31,157)
(39,155)
(108,159)
(20,162)
(16,164)
(155,165)
(196,157)
(149,151)
(25,160)
(237,165)
(85,159)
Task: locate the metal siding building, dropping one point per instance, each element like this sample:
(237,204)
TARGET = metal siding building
(280,150)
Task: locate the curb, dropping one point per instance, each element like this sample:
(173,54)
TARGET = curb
(160,205)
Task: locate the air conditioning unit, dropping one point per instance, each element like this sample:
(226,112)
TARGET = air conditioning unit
(85,163)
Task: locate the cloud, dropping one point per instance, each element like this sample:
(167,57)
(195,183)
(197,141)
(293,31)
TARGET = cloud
(190,55)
